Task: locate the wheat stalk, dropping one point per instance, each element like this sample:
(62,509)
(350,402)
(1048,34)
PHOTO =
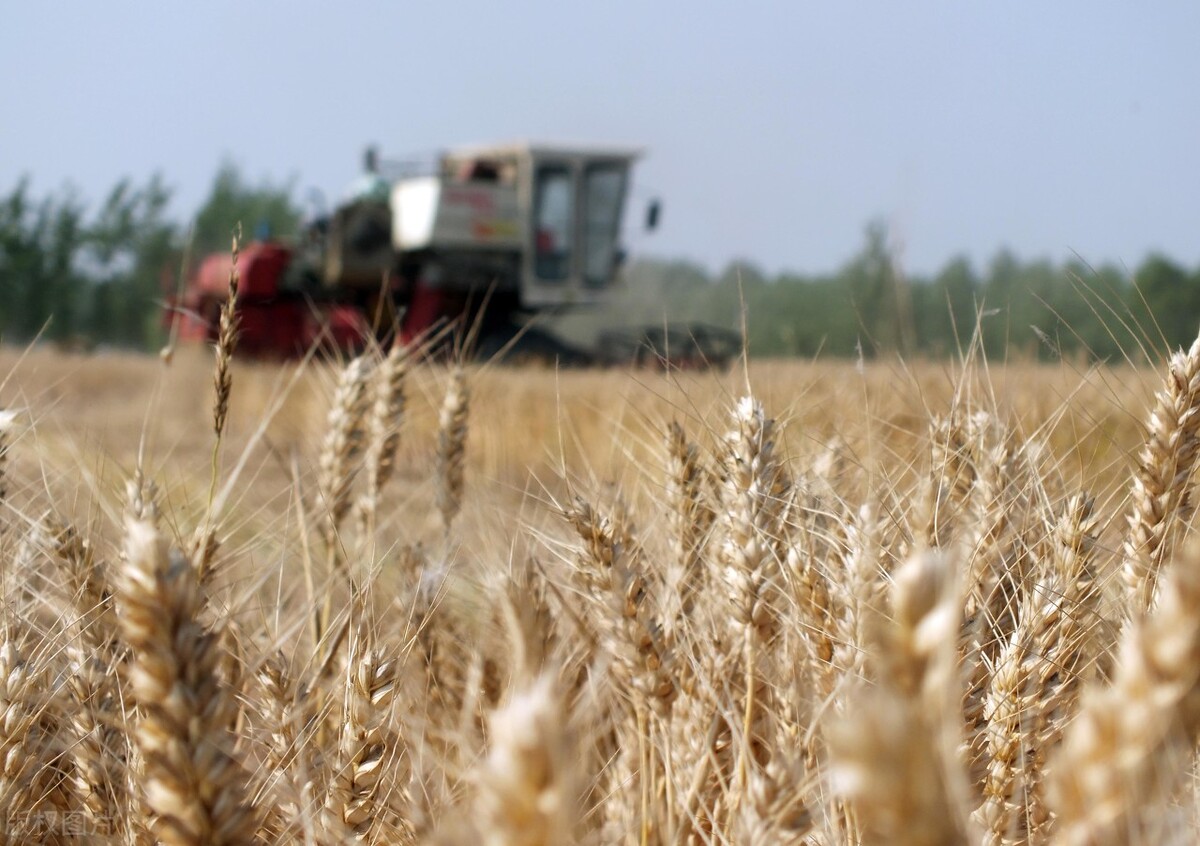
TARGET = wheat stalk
(612,574)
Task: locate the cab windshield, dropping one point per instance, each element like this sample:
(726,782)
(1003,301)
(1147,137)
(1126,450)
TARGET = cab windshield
(603,193)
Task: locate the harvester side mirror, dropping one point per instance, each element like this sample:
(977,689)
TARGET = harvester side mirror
(653,213)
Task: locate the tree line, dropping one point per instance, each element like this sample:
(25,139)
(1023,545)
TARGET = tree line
(86,276)
(81,275)
(1028,309)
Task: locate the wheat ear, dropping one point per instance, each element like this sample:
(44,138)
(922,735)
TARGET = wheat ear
(6,422)
(370,756)
(755,494)
(340,449)
(774,810)
(1163,478)
(204,545)
(613,575)
(524,787)
(951,477)
(1035,678)
(100,753)
(1131,745)
(227,333)
(860,593)
(451,446)
(383,430)
(691,516)
(892,760)
(191,784)
(31,779)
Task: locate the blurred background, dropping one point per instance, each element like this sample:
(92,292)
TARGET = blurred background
(860,177)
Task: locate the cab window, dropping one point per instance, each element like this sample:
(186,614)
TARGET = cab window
(554,223)
(603,192)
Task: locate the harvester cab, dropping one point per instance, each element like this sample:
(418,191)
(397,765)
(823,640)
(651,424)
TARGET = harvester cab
(539,221)
(542,221)
(535,226)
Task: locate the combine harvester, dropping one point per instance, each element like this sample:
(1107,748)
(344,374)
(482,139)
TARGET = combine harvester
(528,230)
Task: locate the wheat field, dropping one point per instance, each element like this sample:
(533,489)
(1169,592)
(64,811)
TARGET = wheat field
(389,600)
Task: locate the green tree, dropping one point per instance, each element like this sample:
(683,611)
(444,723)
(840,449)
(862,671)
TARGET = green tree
(1091,307)
(873,287)
(263,210)
(816,316)
(131,253)
(1166,301)
(945,309)
(42,284)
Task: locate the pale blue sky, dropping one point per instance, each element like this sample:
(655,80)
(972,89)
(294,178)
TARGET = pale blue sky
(774,130)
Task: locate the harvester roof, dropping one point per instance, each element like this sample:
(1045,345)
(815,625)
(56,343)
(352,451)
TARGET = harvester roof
(546,148)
